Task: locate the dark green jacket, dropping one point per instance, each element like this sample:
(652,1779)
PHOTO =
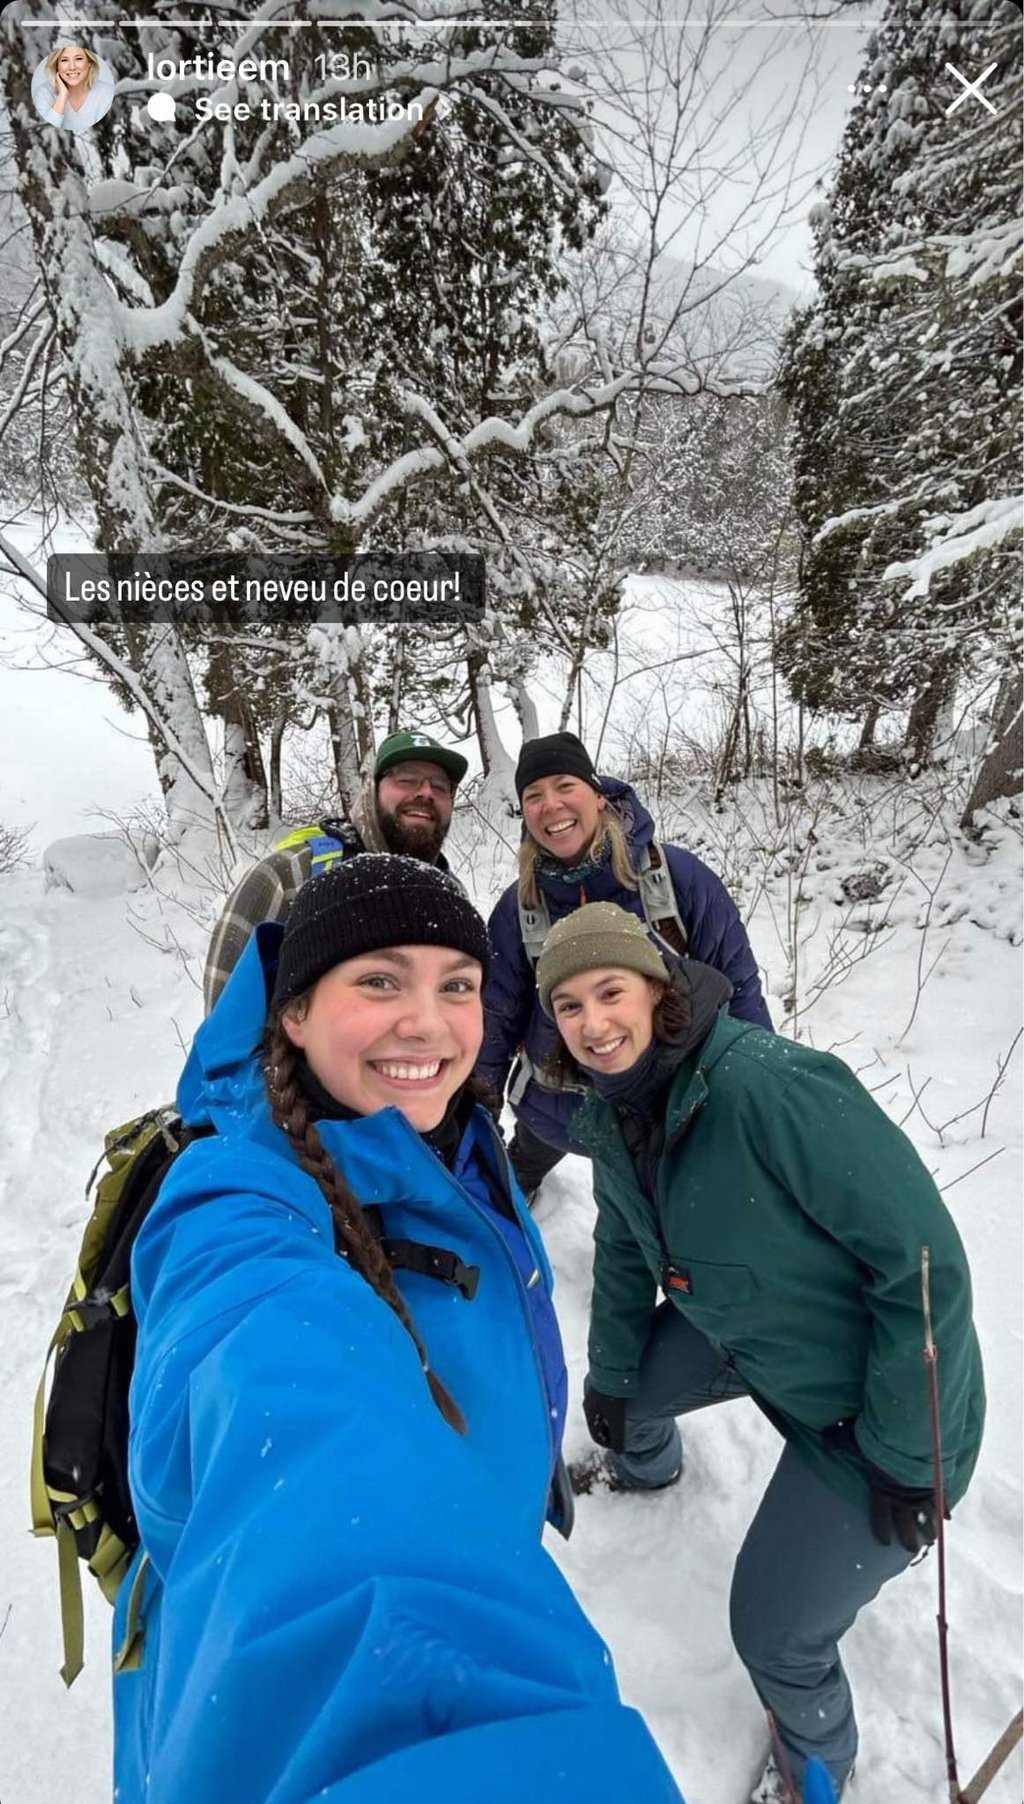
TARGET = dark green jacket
(793,1213)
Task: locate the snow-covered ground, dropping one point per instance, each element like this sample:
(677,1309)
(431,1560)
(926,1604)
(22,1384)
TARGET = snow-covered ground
(98,997)
(67,748)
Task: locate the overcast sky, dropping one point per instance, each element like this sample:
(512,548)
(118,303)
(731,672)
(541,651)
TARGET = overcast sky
(753,95)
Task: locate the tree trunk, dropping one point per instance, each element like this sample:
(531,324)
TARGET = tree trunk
(338,650)
(526,708)
(931,703)
(245,800)
(396,685)
(571,687)
(82,305)
(276,742)
(1001,766)
(245,778)
(113,457)
(189,789)
(748,728)
(362,712)
(344,750)
(867,732)
(495,759)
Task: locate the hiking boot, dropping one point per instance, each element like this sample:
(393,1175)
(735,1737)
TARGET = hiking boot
(595,1472)
(771,1788)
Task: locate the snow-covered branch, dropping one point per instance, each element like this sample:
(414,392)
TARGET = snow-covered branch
(264,403)
(145,330)
(979,529)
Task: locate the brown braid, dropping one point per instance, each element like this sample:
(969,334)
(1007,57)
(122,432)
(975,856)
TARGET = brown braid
(352,1236)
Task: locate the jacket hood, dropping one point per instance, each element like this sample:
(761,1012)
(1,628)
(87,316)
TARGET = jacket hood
(366,820)
(635,818)
(222,1083)
(710,992)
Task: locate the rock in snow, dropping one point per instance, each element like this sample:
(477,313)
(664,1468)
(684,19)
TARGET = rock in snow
(99,864)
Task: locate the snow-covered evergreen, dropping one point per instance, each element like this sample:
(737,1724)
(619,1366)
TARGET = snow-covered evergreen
(904,378)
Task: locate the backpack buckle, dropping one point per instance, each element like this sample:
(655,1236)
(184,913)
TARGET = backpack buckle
(102,1306)
(77,1512)
(448,1268)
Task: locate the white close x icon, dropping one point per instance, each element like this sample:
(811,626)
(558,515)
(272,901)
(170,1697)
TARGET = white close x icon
(972,89)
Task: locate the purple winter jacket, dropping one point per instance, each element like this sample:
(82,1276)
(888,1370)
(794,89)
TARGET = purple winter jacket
(513,1017)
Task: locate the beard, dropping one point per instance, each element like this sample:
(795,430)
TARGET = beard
(415,838)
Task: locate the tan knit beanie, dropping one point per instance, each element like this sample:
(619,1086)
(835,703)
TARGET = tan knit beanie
(598,934)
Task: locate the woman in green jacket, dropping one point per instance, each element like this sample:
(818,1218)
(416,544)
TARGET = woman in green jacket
(757,1185)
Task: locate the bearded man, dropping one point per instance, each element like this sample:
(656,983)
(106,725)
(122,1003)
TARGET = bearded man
(406,807)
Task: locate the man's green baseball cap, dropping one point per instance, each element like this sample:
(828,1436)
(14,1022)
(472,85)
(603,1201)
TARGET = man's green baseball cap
(403,747)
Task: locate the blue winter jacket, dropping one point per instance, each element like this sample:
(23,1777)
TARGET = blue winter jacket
(512,1012)
(342,1598)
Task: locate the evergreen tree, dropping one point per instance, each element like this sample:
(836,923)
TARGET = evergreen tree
(904,377)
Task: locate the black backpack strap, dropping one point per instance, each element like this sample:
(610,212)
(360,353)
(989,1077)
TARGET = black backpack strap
(432,1262)
(416,1256)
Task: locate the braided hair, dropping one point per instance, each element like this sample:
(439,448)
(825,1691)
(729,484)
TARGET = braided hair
(353,1238)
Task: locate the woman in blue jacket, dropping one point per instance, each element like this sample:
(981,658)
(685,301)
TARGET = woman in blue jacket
(348,1401)
(588,839)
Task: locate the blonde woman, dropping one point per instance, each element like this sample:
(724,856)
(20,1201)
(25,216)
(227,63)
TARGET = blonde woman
(588,839)
(72,88)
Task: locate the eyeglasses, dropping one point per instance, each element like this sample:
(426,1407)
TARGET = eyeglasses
(411,781)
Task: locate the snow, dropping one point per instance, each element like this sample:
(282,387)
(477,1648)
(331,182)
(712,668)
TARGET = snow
(979,529)
(98,864)
(68,752)
(986,256)
(99,996)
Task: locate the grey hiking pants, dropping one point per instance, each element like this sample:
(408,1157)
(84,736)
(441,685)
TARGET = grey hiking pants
(807,1566)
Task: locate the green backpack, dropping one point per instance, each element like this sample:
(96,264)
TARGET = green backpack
(80,1491)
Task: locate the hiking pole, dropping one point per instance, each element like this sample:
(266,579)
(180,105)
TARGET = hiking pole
(1000,1752)
(931,1360)
(792,1796)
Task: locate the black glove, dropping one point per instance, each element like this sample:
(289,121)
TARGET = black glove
(606,1419)
(905,1513)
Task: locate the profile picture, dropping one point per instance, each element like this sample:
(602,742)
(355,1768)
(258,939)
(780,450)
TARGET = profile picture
(72,88)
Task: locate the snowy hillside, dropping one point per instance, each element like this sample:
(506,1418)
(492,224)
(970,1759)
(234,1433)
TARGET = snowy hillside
(918,988)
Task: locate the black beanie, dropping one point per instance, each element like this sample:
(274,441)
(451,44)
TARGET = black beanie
(375,899)
(559,755)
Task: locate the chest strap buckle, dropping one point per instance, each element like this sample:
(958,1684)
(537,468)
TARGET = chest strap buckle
(432,1262)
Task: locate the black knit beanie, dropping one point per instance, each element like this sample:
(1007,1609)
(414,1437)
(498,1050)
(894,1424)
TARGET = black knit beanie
(559,755)
(375,899)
